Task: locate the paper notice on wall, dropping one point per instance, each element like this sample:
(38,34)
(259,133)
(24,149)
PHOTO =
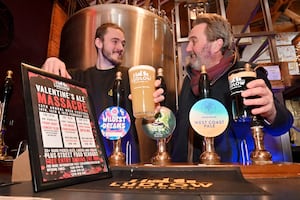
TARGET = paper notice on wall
(273,72)
(286,53)
(293,68)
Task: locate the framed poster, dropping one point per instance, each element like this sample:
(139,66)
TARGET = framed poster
(65,146)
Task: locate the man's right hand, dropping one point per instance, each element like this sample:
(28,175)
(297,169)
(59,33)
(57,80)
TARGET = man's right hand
(56,66)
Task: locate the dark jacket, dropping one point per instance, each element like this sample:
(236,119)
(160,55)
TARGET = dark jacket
(228,144)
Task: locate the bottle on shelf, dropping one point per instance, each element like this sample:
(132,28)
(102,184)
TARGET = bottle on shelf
(7,91)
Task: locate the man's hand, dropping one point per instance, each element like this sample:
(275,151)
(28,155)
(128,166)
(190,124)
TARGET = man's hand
(56,66)
(264,103)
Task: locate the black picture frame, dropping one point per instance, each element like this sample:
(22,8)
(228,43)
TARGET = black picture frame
(65,146)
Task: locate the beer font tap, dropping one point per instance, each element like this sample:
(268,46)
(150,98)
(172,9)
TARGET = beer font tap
(209,156)
(117,157)
(238,79)
(259,155)
(161,157)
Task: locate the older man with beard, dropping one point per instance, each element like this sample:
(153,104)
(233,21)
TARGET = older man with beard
(110,43)
(210,44)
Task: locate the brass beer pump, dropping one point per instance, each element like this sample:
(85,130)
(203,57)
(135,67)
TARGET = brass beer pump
(8,87)
(259,155)
(117,158)
(209,156)
(161,157)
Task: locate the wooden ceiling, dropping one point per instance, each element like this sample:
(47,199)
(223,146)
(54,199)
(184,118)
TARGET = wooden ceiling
(285,14)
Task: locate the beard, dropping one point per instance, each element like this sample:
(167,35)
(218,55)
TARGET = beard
(193,61)
(202,58)
(108,56)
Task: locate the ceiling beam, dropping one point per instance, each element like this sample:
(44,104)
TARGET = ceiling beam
(236,12)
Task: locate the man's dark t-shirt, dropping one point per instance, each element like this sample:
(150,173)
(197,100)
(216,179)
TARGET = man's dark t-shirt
(99,84)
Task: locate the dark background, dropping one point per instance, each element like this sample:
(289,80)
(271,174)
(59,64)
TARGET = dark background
(30,22)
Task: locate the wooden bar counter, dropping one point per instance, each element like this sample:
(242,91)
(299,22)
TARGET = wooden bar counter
(279,180)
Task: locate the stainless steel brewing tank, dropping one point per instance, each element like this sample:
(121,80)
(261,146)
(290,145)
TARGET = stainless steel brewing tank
(149,39)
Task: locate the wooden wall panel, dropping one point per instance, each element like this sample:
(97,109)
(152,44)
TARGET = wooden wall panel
(58,19)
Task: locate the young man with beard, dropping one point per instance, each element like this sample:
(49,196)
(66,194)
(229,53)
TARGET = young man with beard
(210,44)
(110,43)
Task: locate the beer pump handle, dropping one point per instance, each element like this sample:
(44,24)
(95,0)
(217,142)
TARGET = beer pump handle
(7,91)
(118,91)
(204,84)
(160,76)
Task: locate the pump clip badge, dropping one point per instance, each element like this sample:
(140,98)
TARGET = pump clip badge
(114,123)
(163,125)
(208,117)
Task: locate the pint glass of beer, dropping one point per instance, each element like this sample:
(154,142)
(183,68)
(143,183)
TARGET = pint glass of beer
(142,78)
(238,79)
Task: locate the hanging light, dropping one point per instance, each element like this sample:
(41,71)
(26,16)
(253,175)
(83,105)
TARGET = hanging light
(196,8)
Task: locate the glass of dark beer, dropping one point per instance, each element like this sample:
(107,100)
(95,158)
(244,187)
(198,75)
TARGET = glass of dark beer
(238,79)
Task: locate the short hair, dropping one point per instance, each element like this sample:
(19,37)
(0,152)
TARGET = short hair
(217,28)
(101,30)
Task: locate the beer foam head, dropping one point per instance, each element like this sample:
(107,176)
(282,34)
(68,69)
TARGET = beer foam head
(240,74)
(146,67)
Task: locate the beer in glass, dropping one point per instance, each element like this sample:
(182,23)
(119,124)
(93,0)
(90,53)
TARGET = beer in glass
(142,78)
(238,79)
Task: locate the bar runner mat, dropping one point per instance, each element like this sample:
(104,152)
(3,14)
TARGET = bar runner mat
(174,180)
